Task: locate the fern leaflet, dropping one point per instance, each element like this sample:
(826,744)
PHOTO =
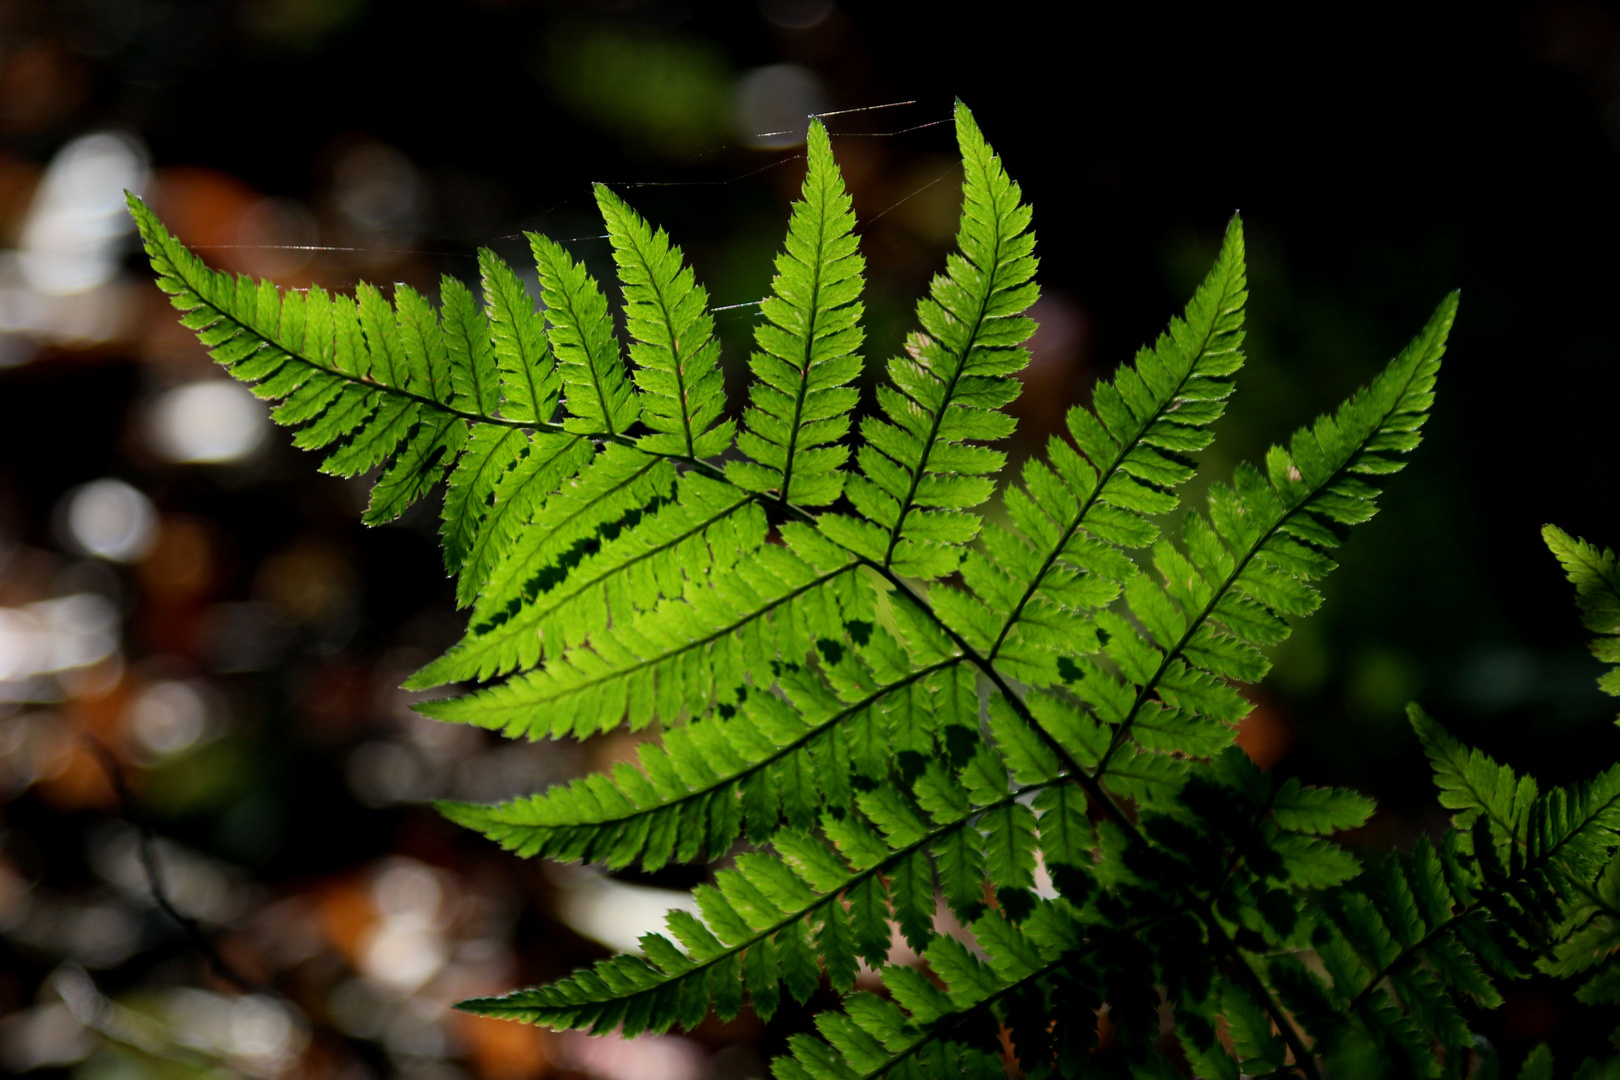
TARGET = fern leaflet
(1595,573)
(801,401)
(920,472)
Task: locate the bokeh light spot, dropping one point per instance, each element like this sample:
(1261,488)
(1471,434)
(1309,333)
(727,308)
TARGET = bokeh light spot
(109,519)
(212,421)
(771,106)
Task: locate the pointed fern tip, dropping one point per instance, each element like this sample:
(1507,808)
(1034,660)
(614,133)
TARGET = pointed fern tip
(145,220)
(964,118)
(436,709)
(428,676)
(1434,738)
(456,810)
(487,1006)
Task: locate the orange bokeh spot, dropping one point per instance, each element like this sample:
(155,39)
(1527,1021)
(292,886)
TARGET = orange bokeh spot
(1265,735)
(347,915)
(501,1049)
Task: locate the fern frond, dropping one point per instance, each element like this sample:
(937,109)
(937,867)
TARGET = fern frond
(617,485)
(686,654)
(677,358)
(529,384)
(500,360)
(1589,938)
(954,1027)
(921,472)
(750,766)
(398,386)
(763,925)
(1395,966)
(1405,948)
(541,463)
(1472,784)
(801,401)
(489,455)
(521,616)
(1040,578)
(1595,573)
(1038,755)
(599,395)
(624,536)
(1253,561)
(377,383)
(1318,810)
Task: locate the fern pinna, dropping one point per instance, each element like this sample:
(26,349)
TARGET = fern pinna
(875,704)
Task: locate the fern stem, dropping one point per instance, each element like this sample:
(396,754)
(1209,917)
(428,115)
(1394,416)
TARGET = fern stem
(1302,1057)
(1077,771)
(972,655)
(986,667)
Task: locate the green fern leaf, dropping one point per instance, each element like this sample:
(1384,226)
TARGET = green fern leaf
(1318,810)
(489,454)
(680,657)
(1595,573)
(1472,784)
(754,920)
(1041,743)
(669,806)
(677,357)
(1411,942)
(423,350)
(1056,563)
(617,545)
(1252,562)
(529,384)
(580,329)
(920,468)
(543,462)
(873,1038)
(376,381)
(801,400)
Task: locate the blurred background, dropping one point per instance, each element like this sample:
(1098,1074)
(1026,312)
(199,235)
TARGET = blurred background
(199,645)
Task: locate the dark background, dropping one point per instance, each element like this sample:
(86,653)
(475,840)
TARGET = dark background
(1380,157)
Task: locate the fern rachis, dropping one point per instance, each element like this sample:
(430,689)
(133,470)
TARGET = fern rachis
(900,704)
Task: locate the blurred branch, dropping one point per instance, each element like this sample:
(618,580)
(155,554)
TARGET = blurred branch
(127,809)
